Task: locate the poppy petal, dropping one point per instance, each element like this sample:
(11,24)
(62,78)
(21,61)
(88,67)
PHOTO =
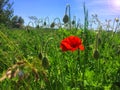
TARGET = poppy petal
(71,43)
(81,47)
(64,46)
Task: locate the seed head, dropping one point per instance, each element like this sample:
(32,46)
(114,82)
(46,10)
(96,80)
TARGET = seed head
(52,25)
(44,23)
(96,54)
(40,56)
(73,22)
(65,18)
(99,41)
(45,62)
(117,19)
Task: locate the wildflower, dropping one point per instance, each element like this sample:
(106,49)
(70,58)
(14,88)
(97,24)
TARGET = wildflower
(71,43)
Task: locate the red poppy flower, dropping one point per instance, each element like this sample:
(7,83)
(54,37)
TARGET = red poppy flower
(71,43)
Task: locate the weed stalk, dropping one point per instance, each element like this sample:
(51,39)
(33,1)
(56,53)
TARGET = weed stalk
(86,43)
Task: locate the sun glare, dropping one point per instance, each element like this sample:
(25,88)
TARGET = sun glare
(116,3)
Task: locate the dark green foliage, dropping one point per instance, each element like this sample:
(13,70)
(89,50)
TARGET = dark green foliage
(6,12)
(17,22)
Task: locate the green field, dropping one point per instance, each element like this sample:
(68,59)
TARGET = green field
(35,60)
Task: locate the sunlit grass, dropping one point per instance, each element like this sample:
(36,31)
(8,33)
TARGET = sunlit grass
(60,70)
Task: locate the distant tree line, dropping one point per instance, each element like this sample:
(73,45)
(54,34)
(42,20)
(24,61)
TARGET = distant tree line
(7,17)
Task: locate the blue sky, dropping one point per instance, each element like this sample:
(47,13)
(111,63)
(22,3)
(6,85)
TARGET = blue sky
(105,9)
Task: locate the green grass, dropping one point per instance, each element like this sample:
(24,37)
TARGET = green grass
(46,67)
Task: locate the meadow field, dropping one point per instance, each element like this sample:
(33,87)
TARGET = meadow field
(33,60)
(69,57)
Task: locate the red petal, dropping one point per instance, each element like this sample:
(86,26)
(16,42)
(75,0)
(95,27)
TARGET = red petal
(64,46)
(81,47)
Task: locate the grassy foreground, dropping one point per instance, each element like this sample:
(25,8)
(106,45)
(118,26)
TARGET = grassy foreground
(33,60)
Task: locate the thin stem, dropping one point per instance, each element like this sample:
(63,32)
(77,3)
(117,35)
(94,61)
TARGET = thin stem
(68,9)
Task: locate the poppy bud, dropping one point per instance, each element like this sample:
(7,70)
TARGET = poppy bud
(35,47)
(0,43)
(99,41)
(44,23)
(40,56)
(65,19)
(96,54)
(52,25)
(117,19)
(73,22)
(45,62)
